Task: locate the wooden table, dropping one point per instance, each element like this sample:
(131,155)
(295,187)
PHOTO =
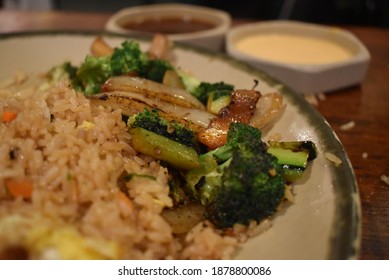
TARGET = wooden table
(367,144)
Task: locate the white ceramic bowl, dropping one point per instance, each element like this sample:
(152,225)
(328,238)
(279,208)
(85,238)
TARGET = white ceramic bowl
(304,77)
(212,38)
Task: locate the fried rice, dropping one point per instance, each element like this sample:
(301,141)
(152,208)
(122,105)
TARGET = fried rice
(73,156)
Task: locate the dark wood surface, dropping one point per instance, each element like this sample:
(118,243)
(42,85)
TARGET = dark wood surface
(367,144)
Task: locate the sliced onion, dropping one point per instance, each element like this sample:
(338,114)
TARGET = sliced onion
(268,109)
(147,87)
(132,102)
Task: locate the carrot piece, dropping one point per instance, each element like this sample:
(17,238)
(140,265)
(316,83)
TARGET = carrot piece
(125,204)
(19,187)
(9,116)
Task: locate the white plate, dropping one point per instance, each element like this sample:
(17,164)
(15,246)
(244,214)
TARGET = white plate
(325,220)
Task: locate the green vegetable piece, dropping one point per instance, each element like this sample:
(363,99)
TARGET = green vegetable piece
(203,90)
(156,69)
(217,100)
(239,181)
(162,148)
(91,74)
(292,173)
(194,176)
(152,121)
(293,157)
(290,157)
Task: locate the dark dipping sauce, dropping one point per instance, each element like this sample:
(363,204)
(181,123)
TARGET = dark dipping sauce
(168,25)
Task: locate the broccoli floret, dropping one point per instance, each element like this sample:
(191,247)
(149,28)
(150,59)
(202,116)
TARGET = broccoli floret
(156,69)
(170,142)
(240,181)
(252,187)
(64,70)
(152,121)
(92,74)
(238,134)
(202,90)
(127,59)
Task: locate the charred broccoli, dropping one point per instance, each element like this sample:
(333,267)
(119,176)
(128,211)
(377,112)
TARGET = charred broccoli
(204,91)
(170,142)
(240,181)
(293,157)
(127,59)
(152,121)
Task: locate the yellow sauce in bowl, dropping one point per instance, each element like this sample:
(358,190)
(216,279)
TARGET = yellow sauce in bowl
(294,49)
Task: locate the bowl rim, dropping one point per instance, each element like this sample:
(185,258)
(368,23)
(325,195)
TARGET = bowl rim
(222,19)
(362,55)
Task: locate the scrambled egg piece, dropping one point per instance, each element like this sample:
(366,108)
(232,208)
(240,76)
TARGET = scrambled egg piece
(67,243)
(86,125)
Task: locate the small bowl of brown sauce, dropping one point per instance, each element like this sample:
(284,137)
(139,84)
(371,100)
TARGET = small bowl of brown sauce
(196,25)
